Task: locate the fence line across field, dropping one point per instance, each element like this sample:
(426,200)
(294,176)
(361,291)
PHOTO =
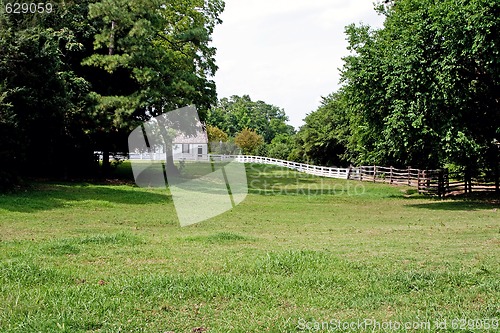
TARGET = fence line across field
(435,182)
(390,175)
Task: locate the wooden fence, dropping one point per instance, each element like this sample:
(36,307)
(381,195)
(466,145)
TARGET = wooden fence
(433,182)
(442,182)
(387,175)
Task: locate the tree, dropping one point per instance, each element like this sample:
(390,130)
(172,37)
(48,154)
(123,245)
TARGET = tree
(9,143)
(248,140)
(324,136)
(163,50)
(216,135)
(237,113)
(422,90)
(281,147)
(219,141)
(43,98)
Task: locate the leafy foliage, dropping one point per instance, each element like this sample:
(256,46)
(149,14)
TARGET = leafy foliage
(237,113)
(323,138)
(423,90)
(163,47)
(248,140)
(44,100)
(215,134)
(281,147)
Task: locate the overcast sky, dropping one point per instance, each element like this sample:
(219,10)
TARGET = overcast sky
(285,52)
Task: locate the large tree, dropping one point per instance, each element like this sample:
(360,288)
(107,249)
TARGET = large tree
(163,51)
(43,98)
(323,139)
(424,89)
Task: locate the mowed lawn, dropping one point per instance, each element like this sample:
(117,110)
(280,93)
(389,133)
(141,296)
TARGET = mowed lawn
(300,253)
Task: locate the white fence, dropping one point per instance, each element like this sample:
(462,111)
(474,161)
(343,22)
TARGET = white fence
(146,156)
(341,173)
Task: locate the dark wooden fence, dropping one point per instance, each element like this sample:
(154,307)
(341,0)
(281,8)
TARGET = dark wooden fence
(387,175)
(442,182)
(434,182)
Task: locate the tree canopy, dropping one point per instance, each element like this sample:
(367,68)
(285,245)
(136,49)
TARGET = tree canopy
(324,137)
(234,114)
(423,90)
(248,140)
(78,79)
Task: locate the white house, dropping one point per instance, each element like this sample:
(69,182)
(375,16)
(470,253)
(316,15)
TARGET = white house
(191,148)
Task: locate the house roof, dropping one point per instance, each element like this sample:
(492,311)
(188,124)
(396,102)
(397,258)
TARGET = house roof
(200,137)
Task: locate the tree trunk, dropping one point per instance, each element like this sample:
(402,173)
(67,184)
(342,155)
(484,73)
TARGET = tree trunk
(170,167)
(497,172)
(106,165)
(111,50)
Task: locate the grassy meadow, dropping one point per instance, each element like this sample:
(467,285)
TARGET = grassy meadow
(300,253)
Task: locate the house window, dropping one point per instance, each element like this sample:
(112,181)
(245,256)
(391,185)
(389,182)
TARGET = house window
(185,148)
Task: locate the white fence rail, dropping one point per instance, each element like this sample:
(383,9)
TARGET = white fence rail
(341,173)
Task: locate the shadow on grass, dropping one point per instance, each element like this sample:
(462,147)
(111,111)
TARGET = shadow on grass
(463,205)
(464,202)
(53,196)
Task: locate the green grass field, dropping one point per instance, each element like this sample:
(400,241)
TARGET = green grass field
(81,257)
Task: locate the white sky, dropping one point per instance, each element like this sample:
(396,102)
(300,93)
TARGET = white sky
(286,52)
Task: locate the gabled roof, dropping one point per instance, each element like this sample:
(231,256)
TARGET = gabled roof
(200,138)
